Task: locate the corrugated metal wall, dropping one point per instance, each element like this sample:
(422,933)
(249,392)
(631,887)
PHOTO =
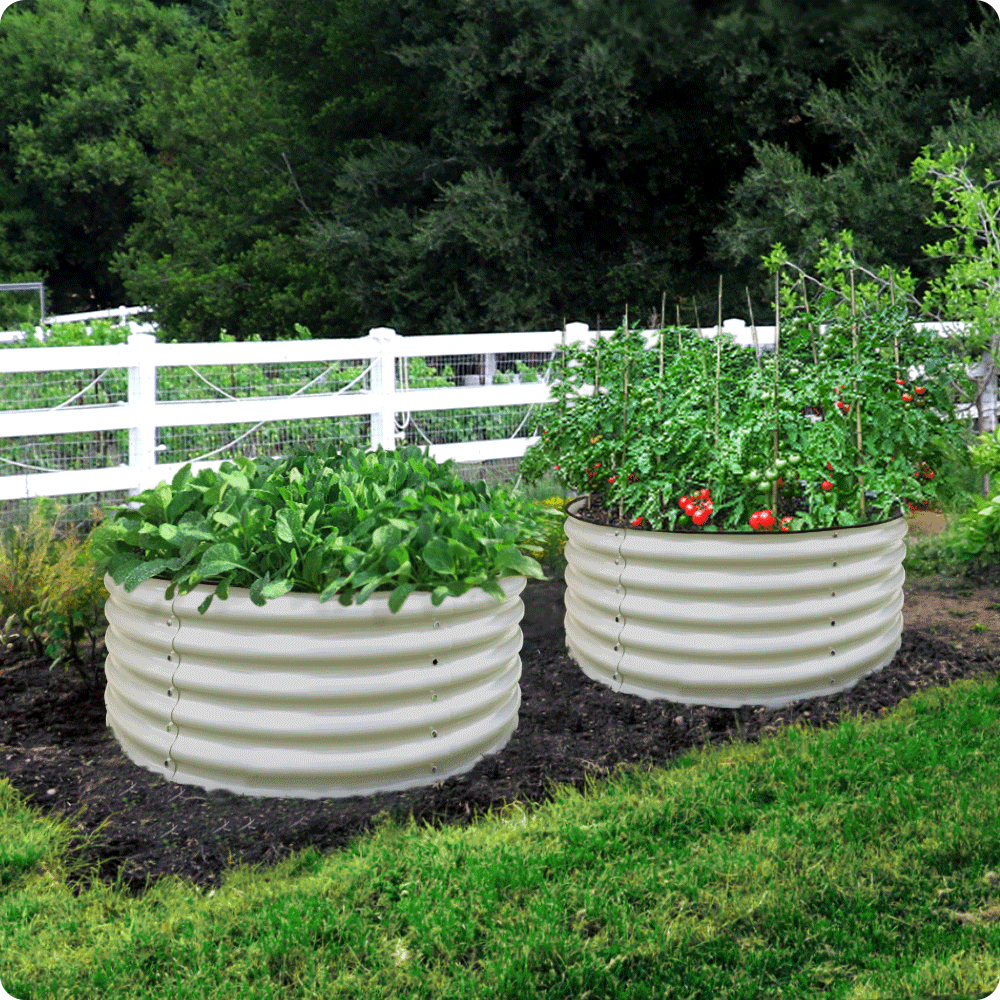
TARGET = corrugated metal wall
(733,619)
(307,700)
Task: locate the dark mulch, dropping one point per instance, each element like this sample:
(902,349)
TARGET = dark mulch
(57,751)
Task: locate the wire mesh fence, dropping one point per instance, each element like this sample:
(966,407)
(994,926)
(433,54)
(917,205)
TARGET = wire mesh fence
(84,389)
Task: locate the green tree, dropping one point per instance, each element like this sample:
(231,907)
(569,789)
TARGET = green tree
(849,168)
(215,245)
(141,161)
(619,129)
(970,289)
(71,156)
(557,124)
(444,165)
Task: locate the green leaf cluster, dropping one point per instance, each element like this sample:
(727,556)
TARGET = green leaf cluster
(344,525)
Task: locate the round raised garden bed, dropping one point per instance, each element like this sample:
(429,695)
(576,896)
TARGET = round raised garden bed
(731,619)
(300,699)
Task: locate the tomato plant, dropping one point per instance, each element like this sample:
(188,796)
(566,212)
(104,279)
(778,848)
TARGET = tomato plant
(721,421)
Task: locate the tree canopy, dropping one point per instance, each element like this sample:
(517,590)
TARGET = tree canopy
(456,165)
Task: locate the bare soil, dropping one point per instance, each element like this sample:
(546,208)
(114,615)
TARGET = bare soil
(57,751)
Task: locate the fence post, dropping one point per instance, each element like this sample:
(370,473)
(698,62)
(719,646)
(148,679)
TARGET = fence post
(134,433)
(375,432)
(144,346)
(986,368)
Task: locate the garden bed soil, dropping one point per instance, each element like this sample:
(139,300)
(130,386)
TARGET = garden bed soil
(58,753)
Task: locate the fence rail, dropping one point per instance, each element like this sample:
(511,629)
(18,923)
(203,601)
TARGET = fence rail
(143,413)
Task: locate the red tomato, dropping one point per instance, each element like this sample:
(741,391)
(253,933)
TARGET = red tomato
(899,381)
(929,475)
(829,467)
(827,485)
(907,398)
(700,516)
(755,520)
(683,501)
(766,519)
(919,390)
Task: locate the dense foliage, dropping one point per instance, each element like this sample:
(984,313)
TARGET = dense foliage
(335,524)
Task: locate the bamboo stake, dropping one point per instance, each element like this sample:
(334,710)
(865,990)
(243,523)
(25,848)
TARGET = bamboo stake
(812,339)
(659,392)
(627,332)
(697,324)
(624,407)
(562,370)
(857,401)
(661,369)
(895,343)
(624,432)
(777,331)
(895,338)
(679,348)
(718,357)
(597,381)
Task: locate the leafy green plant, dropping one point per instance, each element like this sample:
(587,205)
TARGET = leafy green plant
(985,456)
(956,550)
(553,543)
(335,525)
(973,541)
(71,611)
